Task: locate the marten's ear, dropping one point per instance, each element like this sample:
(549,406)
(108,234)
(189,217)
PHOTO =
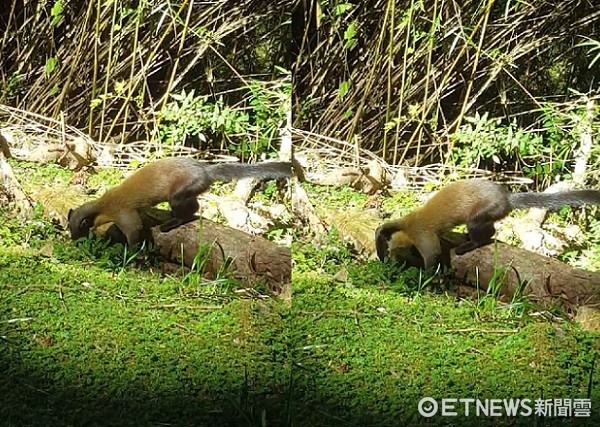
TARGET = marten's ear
(69,214)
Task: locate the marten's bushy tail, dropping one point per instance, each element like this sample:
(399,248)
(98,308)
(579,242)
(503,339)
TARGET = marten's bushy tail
(554,201)
(233,171)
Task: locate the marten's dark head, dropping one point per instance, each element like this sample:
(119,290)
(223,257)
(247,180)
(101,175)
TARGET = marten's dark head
(390,236)
(81,221)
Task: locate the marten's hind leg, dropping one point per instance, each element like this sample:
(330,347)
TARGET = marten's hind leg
(480,234)
(184,206)
(480,228)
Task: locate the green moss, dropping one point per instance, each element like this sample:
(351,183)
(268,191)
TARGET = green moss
(96,335)
(369,355)
(78,339)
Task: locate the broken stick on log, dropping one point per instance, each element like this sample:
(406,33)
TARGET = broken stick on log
(11,189)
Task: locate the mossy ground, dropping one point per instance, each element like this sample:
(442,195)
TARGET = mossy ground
(370,353)
(91,335)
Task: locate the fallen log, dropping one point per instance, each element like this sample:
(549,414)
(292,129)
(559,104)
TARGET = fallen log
(547,281)
(249,258)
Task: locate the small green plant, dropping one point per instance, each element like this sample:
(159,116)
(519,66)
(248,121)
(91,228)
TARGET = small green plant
(102,252)
(129,255)
(194,281)
(520,303)
(13,85)
(497,280)
(189,115)
(105,254)
(488,302)
(248,130)
(198,268)
(487,143)
(275,233)
(194,276)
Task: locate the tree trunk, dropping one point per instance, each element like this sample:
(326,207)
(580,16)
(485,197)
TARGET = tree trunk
(545,280)
(217,248)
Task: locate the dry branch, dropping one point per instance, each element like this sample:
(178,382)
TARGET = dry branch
(304,210)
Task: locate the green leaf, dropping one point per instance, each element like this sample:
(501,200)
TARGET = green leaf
(350,32)
(57,9)
(50,66)
(56,12)
(340,9)
(344,89)
(120,87)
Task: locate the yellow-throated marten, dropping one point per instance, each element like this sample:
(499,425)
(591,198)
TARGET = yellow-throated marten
(177,180)
(475,202)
